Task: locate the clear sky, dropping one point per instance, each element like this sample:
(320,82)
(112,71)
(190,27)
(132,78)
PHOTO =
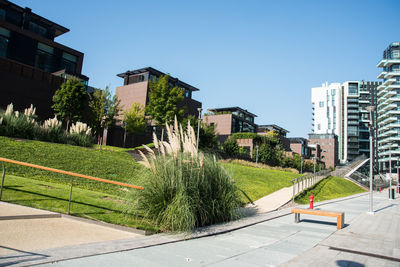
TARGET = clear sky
(263,56)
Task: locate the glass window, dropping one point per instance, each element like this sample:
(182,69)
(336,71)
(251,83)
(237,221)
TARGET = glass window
(319,126)
(2,14)
(44,57)
(333,92)
(353,89)
(396,54)
(36,28)
(69,62)
(4,34)
(321,104)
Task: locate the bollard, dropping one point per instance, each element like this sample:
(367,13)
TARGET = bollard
(380,189)
(311,202)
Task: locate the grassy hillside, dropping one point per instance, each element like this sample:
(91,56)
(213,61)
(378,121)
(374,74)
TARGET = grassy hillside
(85,203)
(329,188)
(258,182)
(113,165)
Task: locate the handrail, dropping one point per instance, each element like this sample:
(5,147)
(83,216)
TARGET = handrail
(70,173)
(62,172)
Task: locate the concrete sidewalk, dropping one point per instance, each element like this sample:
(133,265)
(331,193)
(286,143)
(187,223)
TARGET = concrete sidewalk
(275,241)
(24,229)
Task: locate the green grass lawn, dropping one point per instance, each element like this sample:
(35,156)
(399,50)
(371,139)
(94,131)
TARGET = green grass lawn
(113,165)
(85,203)
(329,188)
(257,182)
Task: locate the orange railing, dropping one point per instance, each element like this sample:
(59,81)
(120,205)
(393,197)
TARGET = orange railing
(62,172)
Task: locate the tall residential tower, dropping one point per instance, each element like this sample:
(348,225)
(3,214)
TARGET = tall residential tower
(389,107)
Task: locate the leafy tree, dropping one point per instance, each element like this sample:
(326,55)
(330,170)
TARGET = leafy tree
(208,137)
(164,101)
(104,110)
(134,119)
(231,148)
(69,100)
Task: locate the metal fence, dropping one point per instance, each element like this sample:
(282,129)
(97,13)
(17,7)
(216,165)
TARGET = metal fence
(72,174)
(306,181)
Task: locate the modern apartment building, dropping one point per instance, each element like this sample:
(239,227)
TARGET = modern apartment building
(136,89)
(388,111)
(32,65)
(281,132)
(230,120)
(328,147)
(340,109)
(300,146)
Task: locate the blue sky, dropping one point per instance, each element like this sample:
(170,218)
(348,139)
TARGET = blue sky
(263,56)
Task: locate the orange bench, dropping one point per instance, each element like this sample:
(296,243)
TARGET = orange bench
(338,215)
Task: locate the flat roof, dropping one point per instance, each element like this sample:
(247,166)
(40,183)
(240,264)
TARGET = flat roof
(157,73)
(297,139)
(232,109)
(59,30)
(273,126)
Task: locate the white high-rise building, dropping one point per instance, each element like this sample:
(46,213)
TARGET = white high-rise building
(389,108)
(341,109)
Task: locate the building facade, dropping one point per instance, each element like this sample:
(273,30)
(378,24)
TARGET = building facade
(281,132)
(32,65)
(230,120)
(327,146)
(388,111)
(340,109)
(136,90)
(300,146)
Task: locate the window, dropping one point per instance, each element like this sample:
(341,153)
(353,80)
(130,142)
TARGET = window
(188,93)
(44,57)
(69,62)
(333,102)
(333,92)
(319,126)
(353,89)
(396,54)
(4,39)
(36,28)
(321,104)
(2,14)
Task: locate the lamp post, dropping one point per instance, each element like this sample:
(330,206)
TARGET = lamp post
(198,129)
(301,164)
(256,154)
(371,110)
(390,170)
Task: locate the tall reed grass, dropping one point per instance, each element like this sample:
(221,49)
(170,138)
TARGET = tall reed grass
(184,189)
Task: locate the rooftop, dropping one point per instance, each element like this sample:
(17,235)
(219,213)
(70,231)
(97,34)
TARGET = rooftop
(59,30)
(156,73)
(273,126)
(232,109)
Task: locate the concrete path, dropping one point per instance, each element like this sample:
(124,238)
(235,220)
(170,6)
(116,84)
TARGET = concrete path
(277,241)
(24,229)
(274,200)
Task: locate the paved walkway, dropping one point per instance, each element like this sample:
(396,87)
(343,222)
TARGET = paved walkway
(273,239)
(24,229)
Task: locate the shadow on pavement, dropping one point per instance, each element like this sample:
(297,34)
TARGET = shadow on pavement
(344,263)
(24,256)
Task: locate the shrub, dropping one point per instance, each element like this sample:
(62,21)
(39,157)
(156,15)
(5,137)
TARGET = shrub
(24,125)
(184,189)
(231,148)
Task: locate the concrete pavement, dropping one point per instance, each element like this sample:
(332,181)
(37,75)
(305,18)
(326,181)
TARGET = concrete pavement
(279,241)
(26,229)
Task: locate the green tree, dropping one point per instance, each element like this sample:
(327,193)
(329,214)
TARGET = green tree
(69,100)
(164,101)
(135,119)
(208,137)
(104,110)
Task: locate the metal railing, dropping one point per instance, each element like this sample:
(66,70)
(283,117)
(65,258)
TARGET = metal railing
(306,181)
(62,172)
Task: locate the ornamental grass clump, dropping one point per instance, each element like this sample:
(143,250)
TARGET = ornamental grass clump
(17,124)
(184,189)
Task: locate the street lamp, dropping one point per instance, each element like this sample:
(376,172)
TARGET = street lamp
(390,170)
(371,110)
(198,129)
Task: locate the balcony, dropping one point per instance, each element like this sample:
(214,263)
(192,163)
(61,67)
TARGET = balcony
(390,62)
(381,75)
(381,63)
(389,82)
(391,74)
